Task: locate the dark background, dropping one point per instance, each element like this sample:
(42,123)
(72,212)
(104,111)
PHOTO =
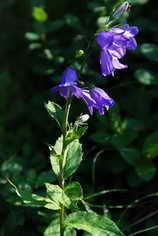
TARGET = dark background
(121,147)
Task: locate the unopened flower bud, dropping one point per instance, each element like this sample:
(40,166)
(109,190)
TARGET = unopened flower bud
(123,8)
(84,118)
(79,53)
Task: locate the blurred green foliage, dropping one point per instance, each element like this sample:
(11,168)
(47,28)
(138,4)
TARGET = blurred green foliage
(38,40)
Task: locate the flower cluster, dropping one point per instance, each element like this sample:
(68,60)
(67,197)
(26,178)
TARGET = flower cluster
(113,46)
(95,98)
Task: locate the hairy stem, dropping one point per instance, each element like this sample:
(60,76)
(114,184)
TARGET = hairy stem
(61,163)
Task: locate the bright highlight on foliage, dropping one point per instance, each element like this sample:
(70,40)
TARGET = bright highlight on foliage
(39,14)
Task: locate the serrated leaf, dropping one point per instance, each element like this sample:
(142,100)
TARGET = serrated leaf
(73,157)
(146,77)
(146,170)
(54,230)
(150,147)
(74,191)
(130,155)
(56,112)
(150,51)
(57,197)
(95,224)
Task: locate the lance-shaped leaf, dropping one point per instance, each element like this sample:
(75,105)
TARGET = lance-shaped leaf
(73,157)
(28,198)
(91,222)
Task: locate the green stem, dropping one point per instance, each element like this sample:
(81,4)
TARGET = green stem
(144,230)
(61,163)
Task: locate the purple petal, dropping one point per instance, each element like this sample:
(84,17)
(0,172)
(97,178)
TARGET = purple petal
(88,100)
(69,76)
(102,100)
(130,31)
(76,91)
(104,39)
(101,96)
(65,91)
(117,30)
(117,64)
(117,51)
(106,63)
(131,44)
(54,89)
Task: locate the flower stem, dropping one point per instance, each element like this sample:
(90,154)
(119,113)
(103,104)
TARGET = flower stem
(61,163)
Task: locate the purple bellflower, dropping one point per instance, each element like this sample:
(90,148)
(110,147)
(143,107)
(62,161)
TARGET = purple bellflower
(113,47)
(68,84)
(95,98)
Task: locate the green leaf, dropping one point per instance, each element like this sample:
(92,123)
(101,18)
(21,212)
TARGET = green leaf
(56,112)
(101,137)
(146,170)
(132,124)
(57,197)
(75,133)
(133,179)
(146,77)
(39,14)
(45,177)
(122,140)
(55,25)
(73,157)
(74,191)
(28,198)
(54,230)
(95,224)
(150,147)
(130,155)
(150,51)
(55,155)
(32,36)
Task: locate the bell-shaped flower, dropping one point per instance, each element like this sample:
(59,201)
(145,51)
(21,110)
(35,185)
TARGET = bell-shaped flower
(98,99)
(68,84)
(95,98)
(113,47)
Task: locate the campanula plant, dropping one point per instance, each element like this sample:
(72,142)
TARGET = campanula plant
(67,197)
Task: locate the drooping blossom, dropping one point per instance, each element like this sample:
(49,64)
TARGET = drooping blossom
(101,100)
(113,47)
(95,98)
(68,84)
